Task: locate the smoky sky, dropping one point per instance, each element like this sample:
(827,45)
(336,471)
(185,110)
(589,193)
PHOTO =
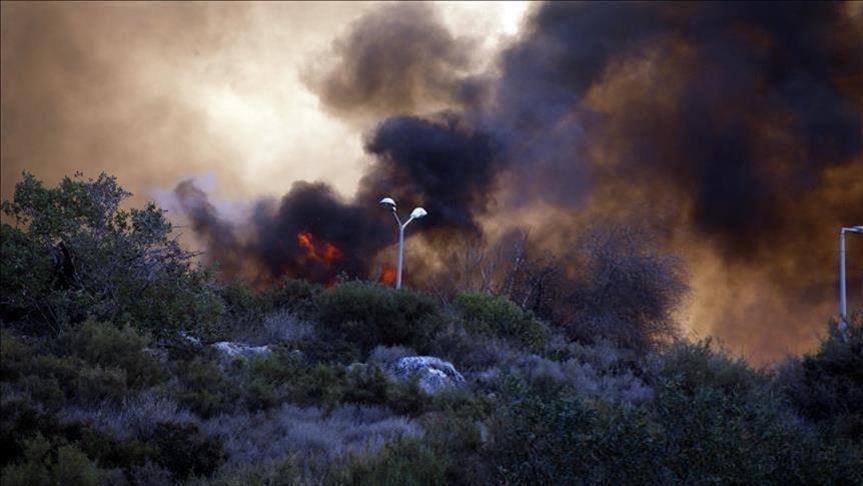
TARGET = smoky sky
(731,128)
(735,127)
(442,164)
(395,60)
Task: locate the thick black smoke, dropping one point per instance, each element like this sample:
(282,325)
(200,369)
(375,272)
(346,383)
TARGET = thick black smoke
(399,59)
(736,124)
(443,164)
(739,105)
(314,210)
(309,233)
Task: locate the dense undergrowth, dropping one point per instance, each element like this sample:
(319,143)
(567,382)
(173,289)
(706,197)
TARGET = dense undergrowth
(108,377)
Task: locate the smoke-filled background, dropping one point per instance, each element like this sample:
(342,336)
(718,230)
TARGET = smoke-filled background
(732,130)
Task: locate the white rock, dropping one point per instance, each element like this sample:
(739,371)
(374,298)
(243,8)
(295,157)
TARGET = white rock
(432,374)
(237,349)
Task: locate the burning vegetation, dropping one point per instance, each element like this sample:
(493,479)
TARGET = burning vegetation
(731,130)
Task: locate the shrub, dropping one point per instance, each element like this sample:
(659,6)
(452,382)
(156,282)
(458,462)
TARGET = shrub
(296,296)
(185,450)
(136,418)
(47,464)
(541,435)
(626,289)
(279,326)
(97,384)
(15,355)
(205,389)
(52,380)
(242,305)
(585,380)
(499,317)
(21,418)
(308,435)
(827,387)
(150,474)
(75,252)
(106,345)
(370,314)
(469,352)
(74,467)
(403,462)
(723,422)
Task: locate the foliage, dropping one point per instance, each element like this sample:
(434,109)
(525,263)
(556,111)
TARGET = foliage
(204,388)
(105,345)
(626,290)
(827,387)
(548,435)
(114,394)
(723,422)
(499,317)
(295,295)
(76,252)
(402,462)
(185,450)
(370,314)
(46,464)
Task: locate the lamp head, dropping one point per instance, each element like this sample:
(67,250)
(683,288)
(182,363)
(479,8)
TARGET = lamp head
(418,213)
(388,202)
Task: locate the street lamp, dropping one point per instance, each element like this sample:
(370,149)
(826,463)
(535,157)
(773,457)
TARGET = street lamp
(843,298)
(417,213)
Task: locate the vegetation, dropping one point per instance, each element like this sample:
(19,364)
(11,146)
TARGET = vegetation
(109,373)
(75,253)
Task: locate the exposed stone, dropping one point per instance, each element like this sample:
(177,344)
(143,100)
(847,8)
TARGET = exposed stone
(237,349)
(432,374)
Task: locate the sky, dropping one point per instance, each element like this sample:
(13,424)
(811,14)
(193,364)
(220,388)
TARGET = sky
(157,92)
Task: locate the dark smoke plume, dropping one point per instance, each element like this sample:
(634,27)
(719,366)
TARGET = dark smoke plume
(309,233)
(734,128)
(443,164)
(399,59)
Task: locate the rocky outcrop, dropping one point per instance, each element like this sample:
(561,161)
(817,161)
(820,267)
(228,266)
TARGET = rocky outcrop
(432,374)
(233,350)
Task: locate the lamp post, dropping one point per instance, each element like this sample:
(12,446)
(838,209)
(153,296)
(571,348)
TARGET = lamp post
(417,213)
(843,298)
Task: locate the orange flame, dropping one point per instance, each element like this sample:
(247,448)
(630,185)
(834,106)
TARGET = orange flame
(388,276)
(326,253)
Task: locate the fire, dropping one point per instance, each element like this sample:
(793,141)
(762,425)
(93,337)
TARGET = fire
(388,276)
(326,253)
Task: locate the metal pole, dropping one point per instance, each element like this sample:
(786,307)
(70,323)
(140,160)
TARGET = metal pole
(401,255)
(843,299)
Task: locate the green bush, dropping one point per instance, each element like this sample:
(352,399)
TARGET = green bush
(401,463)
(550,436)
(827,387)
(185,450)
(75,252)
(370,314)
(295,295)
(722,421)
(205,389)
(103,344)
(47,464)
(15,354)
(499,317)
(241,303)
(53,380)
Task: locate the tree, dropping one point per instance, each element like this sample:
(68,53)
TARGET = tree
(627,288)
(75,252)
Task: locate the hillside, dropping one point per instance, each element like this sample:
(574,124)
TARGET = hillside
(123,361)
